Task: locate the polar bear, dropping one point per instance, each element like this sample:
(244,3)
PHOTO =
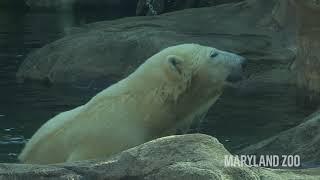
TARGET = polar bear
(168,91)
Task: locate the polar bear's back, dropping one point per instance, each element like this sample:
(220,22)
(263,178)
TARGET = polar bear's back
(50,128)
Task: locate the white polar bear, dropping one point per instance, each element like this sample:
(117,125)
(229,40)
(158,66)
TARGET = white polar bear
(170,90)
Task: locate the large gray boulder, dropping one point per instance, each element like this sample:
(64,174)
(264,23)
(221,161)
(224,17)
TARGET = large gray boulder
(261,106)
(113,49)
(155,7)
(184,157)
(307,63)
(303,140)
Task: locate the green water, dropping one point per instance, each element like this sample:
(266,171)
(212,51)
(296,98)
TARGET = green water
(24,107)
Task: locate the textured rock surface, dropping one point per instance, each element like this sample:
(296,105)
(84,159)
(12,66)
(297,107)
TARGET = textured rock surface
(185,157)
(155,7)
(112,49)
(308,57)
(303,140)
(263,105)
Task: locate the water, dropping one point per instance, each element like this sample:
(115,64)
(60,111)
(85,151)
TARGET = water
(25,107)
(236,119)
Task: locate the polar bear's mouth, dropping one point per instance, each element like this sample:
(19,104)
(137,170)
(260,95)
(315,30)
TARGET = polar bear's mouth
(235,75)
(234,80)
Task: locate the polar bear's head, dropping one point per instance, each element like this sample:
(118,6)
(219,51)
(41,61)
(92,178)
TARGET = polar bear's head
(192,65)
(187,61)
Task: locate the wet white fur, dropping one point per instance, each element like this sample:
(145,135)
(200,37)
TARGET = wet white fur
(153,101)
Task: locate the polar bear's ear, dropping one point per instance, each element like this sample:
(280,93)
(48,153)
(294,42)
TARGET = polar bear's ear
(175,64)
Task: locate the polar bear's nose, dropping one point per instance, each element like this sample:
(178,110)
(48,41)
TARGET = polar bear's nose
(236,73)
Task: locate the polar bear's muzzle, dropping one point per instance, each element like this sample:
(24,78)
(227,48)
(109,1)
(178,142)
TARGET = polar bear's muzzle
(236,73)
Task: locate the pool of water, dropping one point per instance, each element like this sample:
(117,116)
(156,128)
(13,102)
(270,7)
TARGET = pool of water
(25,106)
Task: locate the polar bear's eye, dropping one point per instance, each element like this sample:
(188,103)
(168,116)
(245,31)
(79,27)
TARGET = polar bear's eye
(213,54)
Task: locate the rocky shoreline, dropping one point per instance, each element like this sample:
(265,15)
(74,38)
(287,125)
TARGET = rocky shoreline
(193,156)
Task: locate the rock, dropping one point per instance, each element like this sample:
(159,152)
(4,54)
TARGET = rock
(193,156)
(303,140)
(264,105)
(307,63)
(150,7)
(155,7)
(113,49)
